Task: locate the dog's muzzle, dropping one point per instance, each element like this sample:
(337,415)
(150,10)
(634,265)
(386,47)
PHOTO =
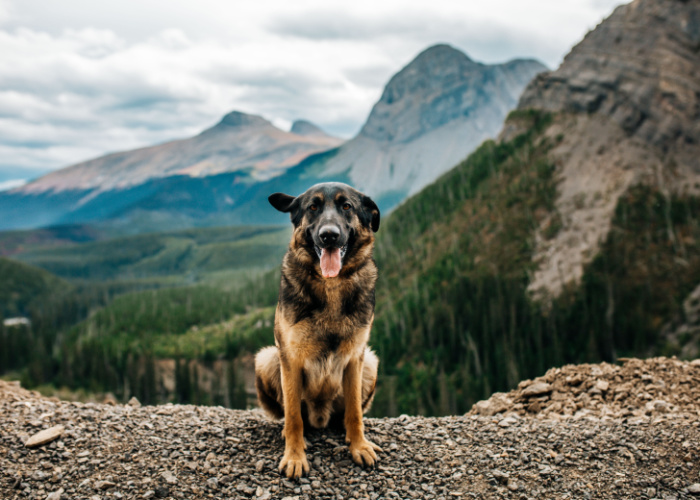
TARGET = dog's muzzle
(329,253)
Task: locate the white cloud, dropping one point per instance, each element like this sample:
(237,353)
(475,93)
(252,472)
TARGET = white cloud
(80,78)
(11,184)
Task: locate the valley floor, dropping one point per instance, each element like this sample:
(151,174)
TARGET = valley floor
(133,451)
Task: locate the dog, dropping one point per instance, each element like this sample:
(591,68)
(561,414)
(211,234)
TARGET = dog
(320,366)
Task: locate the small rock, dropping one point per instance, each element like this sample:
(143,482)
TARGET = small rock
(259,466)
(500,476)
(536,389)
(546,471)
(169,477)
(149,494)
(658,406)
(104,485)
(39,476)
(694,489)
(134,403)
(45,436)
(602,385)
(497,403)
(56,495)
(162,492)
(512,485)
(507,422)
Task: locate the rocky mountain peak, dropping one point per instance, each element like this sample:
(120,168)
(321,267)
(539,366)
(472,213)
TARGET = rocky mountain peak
(440,85)
(641,66)
(240,119)
(627,106)
(304,127)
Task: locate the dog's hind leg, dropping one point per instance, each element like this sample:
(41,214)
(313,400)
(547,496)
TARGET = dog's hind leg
(268,381)
(369,379)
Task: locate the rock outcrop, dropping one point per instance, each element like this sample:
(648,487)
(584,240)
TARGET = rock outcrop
(627,105)
(641,391)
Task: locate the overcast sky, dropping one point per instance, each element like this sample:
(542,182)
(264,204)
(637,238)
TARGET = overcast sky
(80,78)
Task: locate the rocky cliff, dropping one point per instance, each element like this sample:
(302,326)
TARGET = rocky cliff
(51,449)
(627,100)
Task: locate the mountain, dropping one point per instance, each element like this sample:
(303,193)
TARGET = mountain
(431,114)
(238,143)
(240,149)
(575,237)
(630,93)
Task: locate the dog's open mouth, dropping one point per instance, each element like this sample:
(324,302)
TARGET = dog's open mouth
(331,260)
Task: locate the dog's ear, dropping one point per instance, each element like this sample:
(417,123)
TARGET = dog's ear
(282,202)
(370,213)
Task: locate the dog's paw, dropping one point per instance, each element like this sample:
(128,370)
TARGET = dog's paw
(364,453)
(294,464)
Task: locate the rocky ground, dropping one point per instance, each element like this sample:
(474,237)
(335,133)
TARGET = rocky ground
(587,431)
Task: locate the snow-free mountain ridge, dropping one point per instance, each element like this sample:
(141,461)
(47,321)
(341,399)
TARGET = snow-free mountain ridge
(431,114)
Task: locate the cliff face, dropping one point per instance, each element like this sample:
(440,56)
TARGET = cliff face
(640,67)
(628,105)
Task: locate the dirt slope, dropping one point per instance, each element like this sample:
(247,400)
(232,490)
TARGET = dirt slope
(580,444)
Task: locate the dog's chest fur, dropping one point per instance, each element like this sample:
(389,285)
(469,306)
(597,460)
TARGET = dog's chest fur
(322,324)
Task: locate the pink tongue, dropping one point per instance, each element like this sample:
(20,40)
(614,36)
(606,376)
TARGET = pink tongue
(330,262)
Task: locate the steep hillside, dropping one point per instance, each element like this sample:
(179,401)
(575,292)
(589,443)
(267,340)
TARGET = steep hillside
(432,113)
(631,94)
(22,284)
(239,142)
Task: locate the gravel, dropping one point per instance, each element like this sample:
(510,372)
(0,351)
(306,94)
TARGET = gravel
(172,451)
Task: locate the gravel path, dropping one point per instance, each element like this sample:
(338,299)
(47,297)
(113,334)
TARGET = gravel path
(130,451)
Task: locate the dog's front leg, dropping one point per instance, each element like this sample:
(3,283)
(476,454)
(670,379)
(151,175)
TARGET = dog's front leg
(294,459)
(362,450)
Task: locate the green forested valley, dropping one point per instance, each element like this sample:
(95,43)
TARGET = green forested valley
(177,316)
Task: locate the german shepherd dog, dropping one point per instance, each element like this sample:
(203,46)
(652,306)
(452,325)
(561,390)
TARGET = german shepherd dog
(320,365)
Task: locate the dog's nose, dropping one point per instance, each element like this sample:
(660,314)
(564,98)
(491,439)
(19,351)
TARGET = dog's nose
(329,235)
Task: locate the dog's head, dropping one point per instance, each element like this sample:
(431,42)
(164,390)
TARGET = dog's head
(333,223)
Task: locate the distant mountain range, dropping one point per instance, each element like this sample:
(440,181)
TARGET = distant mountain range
(431,114)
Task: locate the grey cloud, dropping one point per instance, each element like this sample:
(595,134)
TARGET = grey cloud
(370,76)
(334,25)
(483,41)
(286,81)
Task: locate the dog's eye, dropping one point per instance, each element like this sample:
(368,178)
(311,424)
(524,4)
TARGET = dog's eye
(313,207)
(347,206)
